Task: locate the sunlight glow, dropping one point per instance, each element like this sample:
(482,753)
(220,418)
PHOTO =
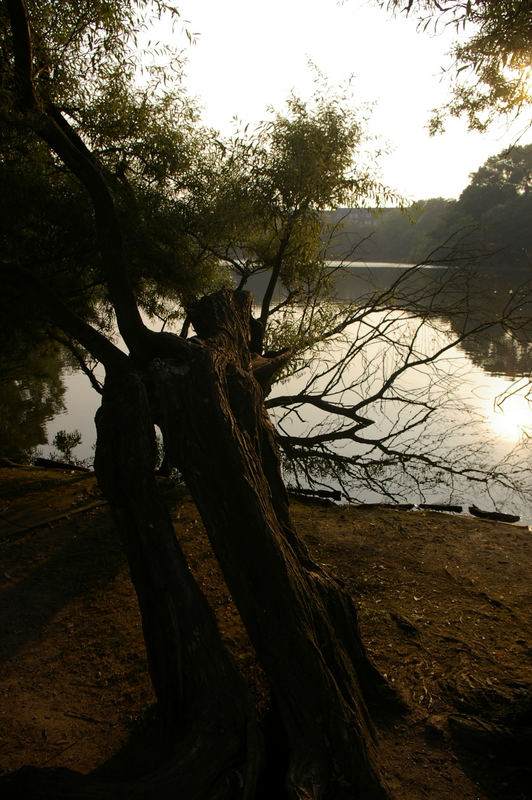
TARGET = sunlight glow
(526,79)
(512,420)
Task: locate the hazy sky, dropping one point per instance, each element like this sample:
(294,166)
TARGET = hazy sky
(251,53)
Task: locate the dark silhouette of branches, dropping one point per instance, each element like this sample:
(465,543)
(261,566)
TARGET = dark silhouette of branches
(380,409)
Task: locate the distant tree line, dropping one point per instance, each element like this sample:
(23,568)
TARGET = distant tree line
(490,222)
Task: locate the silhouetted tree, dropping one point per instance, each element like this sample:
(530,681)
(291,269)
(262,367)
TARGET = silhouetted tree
(65,82)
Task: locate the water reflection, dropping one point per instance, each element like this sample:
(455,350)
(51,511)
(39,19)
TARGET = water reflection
(510,416)
(500,353)
(31,395)
(463,298)
(485,367)
(472,449)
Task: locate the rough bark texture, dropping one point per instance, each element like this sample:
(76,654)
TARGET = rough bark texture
(204,395)
(303,626)
(212,739)
(200,693)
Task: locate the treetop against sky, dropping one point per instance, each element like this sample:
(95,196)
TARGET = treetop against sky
(248,55)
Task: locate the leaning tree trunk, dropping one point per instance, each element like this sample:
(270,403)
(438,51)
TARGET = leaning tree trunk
(302,624)
(213,747)
(201,695)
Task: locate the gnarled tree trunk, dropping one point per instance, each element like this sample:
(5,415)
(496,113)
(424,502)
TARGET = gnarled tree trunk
(206,395)
(213,745)
(201,695)
(303,626)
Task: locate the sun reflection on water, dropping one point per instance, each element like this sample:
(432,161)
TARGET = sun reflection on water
(511,419)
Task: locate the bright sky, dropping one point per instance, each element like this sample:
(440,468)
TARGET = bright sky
(252,53)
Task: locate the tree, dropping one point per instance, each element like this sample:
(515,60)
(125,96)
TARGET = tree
(279,239)
(494,210)
(279,183)
(492,69)
(65,443)
(341,417)
(161,201)
(64,67)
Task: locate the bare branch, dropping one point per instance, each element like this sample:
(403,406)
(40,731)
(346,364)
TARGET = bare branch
(69,345)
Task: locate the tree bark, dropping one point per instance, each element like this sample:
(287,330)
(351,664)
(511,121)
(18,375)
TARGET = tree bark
(201,695)
(212,742)
(302,624)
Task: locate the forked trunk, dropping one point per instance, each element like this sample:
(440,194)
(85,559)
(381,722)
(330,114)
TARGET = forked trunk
(205,396)
(201,695)
(302,624)
(212,741)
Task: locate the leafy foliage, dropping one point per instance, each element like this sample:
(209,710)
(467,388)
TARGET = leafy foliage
(46,225)
(81,47)
(263,203)
(144,135)
(492,70)
(492,215)
(66,442)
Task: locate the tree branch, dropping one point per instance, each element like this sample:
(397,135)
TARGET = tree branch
(50,125)
(70,346)
(23,55)
(62,316)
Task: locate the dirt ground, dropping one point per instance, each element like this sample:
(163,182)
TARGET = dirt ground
(444,605)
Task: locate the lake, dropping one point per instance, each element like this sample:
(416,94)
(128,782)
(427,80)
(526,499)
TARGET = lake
(466,385)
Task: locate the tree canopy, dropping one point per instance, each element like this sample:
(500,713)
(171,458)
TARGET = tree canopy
(491,217)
